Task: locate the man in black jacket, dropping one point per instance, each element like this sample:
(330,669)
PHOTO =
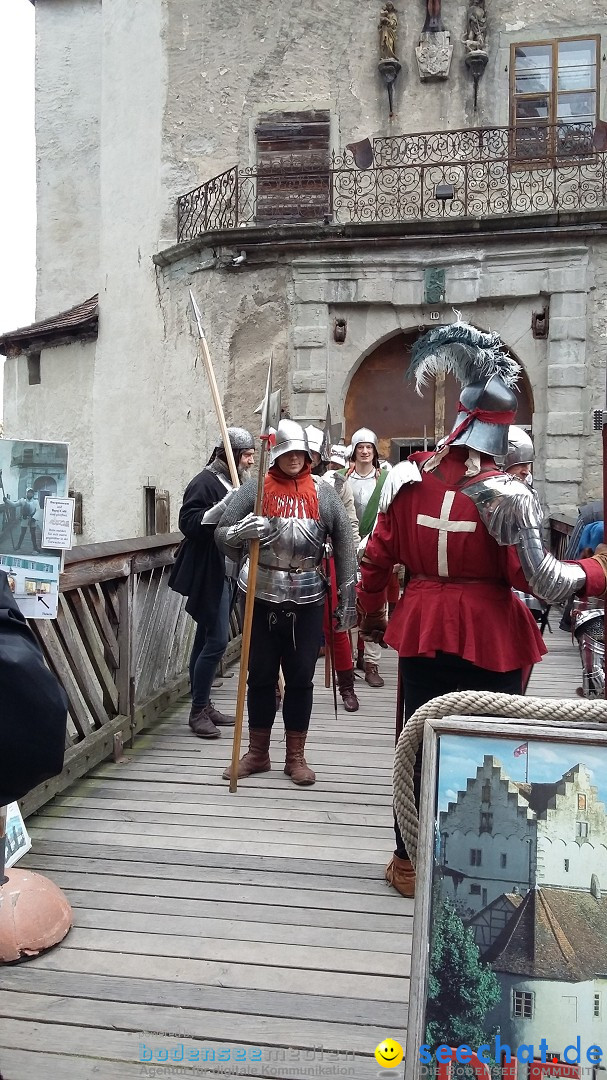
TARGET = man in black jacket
(200,574)
(33,706)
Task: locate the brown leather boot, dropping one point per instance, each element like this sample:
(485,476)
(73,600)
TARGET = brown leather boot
(345,682)
(202,724)
(220,719)
(257,758)
(296,765)
(401,876)
(372,675)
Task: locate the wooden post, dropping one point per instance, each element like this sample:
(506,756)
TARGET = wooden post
(206,358)
(246,627)
(126,644)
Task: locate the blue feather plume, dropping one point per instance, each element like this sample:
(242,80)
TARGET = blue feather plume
(465,352)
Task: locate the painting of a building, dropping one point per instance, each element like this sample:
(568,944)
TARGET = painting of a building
(551,959)
(502,837)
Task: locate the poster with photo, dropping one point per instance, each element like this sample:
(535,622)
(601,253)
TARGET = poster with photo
(31,472)
(510,931)
(17,840)
(34,583)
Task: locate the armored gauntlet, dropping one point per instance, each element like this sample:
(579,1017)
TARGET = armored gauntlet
(252,527)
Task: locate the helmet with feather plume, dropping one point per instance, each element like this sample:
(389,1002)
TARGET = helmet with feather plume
(487,375)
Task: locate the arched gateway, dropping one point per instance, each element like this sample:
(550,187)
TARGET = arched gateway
(381,398)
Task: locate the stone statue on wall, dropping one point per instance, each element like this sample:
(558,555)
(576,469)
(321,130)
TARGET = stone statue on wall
(434,19)
(388,26)
(476,33)
(435,50)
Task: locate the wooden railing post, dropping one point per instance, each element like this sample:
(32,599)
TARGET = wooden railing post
(126,644)
(120,645)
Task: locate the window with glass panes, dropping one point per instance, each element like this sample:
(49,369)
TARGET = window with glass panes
(554,94)
(522,1004)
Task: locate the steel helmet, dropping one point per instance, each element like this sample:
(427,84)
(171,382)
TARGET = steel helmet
(338,454)
(364,434)
(315,438)
(240,440)
(487,374)
(289,436)
(520,448)
(491,396)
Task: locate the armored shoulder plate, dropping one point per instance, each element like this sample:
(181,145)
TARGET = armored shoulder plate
(506,506)
(406,472)
(512,514)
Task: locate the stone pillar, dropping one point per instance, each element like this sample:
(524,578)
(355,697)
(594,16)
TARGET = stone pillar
(567,377)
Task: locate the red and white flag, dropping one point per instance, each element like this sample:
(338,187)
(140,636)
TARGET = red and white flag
(521,750)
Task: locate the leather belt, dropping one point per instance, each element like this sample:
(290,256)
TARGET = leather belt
(291,569)
(458,581)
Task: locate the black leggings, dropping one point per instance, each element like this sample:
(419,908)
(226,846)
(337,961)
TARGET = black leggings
(424,678)
(286,635)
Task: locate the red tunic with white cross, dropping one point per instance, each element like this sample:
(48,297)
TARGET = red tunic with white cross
(459,599)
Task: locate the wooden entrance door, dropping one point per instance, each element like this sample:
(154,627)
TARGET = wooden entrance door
(381,398)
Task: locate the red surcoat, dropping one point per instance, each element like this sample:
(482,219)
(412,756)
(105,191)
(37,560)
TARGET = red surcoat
(436,532)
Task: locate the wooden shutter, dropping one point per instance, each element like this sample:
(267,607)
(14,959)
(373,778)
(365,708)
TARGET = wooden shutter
(163,512)
(293,166)
(77,497)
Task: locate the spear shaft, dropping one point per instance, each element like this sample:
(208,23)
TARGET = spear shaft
(247,624)
(208,365)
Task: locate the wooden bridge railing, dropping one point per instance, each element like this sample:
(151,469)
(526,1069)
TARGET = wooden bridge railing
(120,646)
(560,531)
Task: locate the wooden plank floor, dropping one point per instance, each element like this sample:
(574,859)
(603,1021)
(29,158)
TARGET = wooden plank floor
(256,920)
(259,919)
(560,672)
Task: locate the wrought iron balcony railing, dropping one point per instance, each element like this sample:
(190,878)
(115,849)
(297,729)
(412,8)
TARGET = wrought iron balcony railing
(476,174)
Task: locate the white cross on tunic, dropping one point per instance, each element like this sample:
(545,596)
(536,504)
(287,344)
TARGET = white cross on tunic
(445,526)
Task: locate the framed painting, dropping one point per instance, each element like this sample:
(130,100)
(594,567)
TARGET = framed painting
(509,965)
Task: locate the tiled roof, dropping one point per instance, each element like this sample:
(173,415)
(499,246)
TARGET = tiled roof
(79,320)
(558,934)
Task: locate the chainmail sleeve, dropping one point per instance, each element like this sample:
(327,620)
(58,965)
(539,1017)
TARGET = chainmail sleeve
(339,528)
(241,504)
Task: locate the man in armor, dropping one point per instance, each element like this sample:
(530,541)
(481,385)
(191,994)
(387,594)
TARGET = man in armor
(201,574)
(299,514)
(344,665)
(467,533)
(366,478)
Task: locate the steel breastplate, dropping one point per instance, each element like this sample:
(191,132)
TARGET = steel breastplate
(289,565)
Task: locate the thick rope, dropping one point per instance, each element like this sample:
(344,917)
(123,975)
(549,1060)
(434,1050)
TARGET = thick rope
(472,703)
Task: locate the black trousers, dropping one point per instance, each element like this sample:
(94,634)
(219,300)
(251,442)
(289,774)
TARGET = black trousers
(287,636)
(424,678)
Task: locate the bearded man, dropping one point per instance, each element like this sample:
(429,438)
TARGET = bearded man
(201,574)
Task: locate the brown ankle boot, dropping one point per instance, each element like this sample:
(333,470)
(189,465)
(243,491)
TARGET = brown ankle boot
(257,758)
(220,719)
(372,676)
(345,682)
(201,723)
(296,765)
(401,876)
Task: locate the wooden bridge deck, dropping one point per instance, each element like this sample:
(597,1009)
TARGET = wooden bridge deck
(210,921)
